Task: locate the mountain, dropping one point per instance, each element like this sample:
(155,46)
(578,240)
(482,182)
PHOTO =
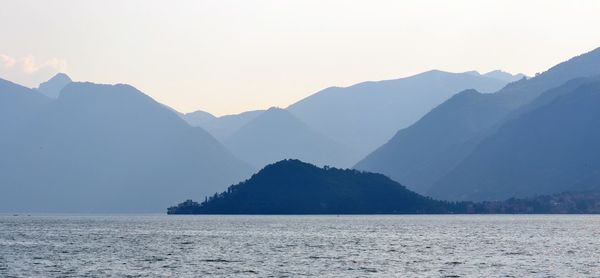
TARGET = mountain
(364,116)
(52,87)
(18,106)
(102,148)
(276,134)
(420,155)
(295,187)
(551,148)
(198,118)
(220,127)
(502,75)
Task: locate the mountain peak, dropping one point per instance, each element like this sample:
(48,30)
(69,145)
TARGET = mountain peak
(121,95)
(505,76)
(277,115)
(198,118)
(54,85)
(61,76)
(275,109)
(473,72)
(278,134)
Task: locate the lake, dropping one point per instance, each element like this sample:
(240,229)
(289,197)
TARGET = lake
(296,246)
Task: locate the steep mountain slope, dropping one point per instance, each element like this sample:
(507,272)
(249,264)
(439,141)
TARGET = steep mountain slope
(220,127)
(551,149)
(276,134)
(18,106)
(423,152)
(52,87)
(420,155)
(366,115)
(109,148)
(295,187)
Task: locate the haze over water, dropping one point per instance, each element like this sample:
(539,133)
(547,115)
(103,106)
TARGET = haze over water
(293,246)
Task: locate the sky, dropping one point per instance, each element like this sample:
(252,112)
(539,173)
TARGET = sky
(227,57)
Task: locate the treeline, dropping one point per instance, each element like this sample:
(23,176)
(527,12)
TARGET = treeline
(563,203)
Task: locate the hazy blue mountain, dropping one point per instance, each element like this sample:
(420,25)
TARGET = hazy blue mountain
(364,116)
(220,127)
(198,118)
(425,151)
(52,87)
(18,106)
(295,187)
(106,148)
(421,154)
(552,147)
(506,76)
(276,134)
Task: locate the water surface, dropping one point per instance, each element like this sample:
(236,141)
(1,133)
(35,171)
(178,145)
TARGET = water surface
(296,246)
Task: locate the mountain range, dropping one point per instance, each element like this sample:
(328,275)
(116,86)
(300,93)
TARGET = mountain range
(366,115)
(276,134)
(552,148)
(502,75)
(79,146)
(423,154)
(99,148)
(220,127)
(355,119)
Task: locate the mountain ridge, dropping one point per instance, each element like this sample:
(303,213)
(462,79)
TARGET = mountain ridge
(276,134)
(548,149)
(103,148)
(367,114)
(54,85)
(447,145)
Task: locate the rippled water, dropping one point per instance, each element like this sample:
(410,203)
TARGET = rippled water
(346,246)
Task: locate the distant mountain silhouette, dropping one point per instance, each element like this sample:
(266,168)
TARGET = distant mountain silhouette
(103,148)
(295,187)
(52,87)
(199,118)
(551,148)
(220,127)
(276,134)
(364,116)
(420,155)
(502,75)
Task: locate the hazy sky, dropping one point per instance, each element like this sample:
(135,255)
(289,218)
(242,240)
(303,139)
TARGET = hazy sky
(231,56)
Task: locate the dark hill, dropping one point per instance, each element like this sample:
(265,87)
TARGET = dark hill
(295,187)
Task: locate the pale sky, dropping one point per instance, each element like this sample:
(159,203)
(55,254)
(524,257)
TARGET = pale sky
(231,56)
